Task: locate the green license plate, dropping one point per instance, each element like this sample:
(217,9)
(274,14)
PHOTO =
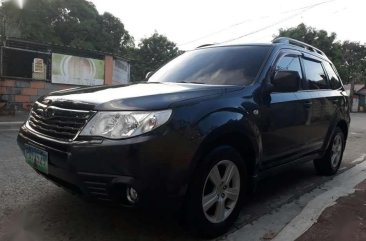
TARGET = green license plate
(36,158)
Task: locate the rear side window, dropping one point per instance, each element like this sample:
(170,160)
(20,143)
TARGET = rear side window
(291,63)
(316,78)
(333,77)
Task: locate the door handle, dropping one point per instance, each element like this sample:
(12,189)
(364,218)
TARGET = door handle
(335,101)
(308,104)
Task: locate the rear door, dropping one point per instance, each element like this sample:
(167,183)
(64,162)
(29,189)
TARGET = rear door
(316,95)
(337,97)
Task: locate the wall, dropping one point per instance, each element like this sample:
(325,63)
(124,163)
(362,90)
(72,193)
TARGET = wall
(362,103)
(19,95)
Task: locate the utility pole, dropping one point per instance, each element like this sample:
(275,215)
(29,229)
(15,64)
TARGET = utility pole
(352,84)
(352,91)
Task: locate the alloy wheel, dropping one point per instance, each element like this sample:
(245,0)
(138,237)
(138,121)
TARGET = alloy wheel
(221,191)
(337,147)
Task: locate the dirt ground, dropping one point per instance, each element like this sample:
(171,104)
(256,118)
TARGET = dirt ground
(345,221)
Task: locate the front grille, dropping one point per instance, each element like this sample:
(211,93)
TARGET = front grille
(59,123)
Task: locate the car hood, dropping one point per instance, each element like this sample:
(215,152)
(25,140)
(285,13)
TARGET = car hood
(142,96)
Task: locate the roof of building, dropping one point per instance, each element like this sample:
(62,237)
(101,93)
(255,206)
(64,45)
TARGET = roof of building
(48,47)
(362,92)
(360,89)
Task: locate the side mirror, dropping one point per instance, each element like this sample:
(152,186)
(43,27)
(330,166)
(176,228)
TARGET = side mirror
(149,74)
(286,81)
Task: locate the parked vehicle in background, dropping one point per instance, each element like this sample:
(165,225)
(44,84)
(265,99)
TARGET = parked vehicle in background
(199,133)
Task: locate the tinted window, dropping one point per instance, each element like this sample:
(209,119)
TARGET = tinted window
(237,65)
(316,78)
(333,77)
(291,63)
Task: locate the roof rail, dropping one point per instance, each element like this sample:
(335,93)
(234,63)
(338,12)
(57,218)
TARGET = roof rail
(298,43)
(204,45)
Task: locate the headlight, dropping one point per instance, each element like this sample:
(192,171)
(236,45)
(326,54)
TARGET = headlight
(123,124)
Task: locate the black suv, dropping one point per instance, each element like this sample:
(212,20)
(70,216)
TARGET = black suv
(199,133)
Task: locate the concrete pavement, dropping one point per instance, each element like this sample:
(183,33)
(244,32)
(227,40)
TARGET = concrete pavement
(31,208)
(13,121)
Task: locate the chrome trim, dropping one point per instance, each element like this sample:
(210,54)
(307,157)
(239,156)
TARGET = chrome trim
(47,138)
(50,138)
(63,109)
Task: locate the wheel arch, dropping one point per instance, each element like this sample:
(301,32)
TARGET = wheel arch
(342,124)
(240,141)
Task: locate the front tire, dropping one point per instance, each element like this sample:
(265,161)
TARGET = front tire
(216,193)
(329,164)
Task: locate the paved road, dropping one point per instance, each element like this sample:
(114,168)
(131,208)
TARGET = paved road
(31,208)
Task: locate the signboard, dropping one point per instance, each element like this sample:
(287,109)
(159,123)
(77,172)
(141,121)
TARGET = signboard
(74,70)
(38,65)
(39,69)
(121,72)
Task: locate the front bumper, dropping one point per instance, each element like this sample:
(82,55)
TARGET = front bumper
(156,166)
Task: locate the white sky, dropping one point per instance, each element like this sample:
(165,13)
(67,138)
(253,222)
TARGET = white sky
(188,20)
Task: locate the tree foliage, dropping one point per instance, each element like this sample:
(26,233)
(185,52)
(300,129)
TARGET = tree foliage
(348,57)
(354,57)
(153,52)
(75,23)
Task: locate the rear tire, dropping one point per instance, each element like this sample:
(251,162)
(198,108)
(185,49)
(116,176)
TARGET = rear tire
(216,193)
(329,164)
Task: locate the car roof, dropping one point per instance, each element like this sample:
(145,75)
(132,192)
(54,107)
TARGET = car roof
(281,42)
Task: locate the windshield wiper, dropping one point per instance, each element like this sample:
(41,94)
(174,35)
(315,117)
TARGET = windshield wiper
(192,82)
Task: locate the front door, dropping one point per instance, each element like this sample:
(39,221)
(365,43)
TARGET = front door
(284,118)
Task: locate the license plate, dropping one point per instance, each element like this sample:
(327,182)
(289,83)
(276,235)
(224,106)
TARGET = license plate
(36,158)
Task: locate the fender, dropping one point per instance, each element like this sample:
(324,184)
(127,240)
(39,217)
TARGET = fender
(226,125)
(342,119)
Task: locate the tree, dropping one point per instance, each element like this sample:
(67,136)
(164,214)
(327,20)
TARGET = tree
(354,58)
(318,38)
(152,53)
(348,57)
(75,23)
(114,34)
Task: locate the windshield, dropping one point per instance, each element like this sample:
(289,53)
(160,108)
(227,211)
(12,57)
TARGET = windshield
(234,65)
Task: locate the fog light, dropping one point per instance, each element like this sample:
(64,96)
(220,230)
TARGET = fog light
(132,195)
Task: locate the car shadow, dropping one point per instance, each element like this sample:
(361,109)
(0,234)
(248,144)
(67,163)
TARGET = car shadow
(58,215)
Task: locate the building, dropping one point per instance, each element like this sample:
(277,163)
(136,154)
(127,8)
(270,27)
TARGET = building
(29,70)
(359,97)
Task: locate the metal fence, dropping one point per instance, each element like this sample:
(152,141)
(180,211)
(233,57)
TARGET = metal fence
(17,63)
(17,57)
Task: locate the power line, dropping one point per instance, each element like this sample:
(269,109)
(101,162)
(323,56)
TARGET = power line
(305,8)
(219,31)
(237,24)
(278,22)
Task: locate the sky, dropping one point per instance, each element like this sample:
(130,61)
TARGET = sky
(191,23)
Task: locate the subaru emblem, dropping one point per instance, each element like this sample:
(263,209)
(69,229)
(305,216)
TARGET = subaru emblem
(48,113)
